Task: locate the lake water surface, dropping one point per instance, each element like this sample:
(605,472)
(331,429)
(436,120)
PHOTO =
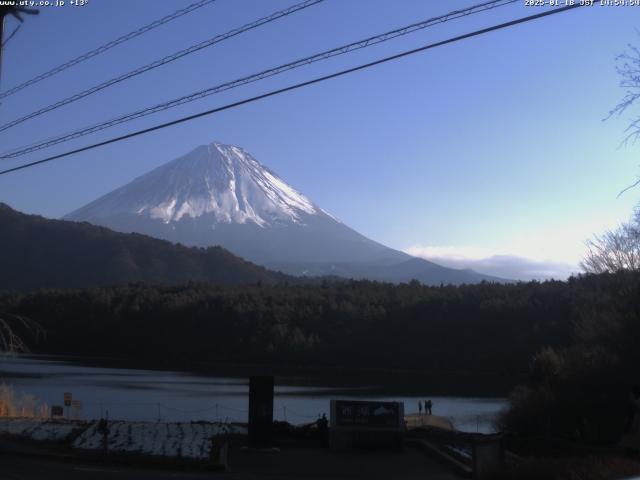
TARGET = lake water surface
(135,394)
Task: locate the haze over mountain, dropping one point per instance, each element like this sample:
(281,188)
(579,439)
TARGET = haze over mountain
(220,195)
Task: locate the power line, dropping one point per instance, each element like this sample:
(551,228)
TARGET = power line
(108,46)
(16,11)
(15,30)
(344,49)
(296,86)
(163,61)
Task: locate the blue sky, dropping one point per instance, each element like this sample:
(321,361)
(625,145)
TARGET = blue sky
(490,153)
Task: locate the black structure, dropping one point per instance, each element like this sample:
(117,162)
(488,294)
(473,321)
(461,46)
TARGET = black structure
(260,411)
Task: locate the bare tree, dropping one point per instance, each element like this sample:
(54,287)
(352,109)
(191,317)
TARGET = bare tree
(10,341)
(619,249)
(628,69)
(615,250)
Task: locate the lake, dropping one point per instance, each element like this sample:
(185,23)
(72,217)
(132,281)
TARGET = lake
(137,394)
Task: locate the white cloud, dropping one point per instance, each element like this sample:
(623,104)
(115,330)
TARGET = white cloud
(552,250)
(504,264)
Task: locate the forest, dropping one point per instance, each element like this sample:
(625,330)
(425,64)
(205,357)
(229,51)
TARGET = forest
(480,335)
(567,352)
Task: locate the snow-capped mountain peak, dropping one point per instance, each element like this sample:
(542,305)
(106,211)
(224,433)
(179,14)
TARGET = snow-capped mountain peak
(221,180)
(220,195)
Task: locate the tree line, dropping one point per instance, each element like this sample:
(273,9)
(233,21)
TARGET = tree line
(457,331)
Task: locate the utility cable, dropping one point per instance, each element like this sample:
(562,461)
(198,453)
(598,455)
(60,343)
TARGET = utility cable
(15,30)
(296,86)
(163,61)
(107,46)
(344,49)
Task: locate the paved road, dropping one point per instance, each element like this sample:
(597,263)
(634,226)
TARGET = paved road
(27,468)
(314,464)
(321,464)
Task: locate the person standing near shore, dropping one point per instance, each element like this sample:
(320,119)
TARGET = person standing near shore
(427,407)
(420,407)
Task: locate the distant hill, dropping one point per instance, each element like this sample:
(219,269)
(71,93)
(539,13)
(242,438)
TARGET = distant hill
(413,268)
(39,253)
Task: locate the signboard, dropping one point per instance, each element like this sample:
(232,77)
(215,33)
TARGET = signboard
(361,414)
(67,399)
(76,409)
(260,411)
(360,424)
(57,411)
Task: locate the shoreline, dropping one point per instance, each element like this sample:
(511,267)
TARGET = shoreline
(417,420)
(378,381)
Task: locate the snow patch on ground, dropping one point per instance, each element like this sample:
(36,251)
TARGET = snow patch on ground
(186,440)
(39,429)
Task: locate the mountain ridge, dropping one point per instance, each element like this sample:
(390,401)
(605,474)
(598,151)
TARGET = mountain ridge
(36,252)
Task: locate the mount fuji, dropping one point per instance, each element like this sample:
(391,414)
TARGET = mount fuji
(220,195)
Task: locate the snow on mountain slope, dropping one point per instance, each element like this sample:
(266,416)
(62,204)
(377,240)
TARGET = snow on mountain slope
(216,179)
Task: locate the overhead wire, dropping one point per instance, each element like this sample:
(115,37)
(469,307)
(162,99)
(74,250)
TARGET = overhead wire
(11,35)
(299,85)
(163,61)
(107,46)
(344,49)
